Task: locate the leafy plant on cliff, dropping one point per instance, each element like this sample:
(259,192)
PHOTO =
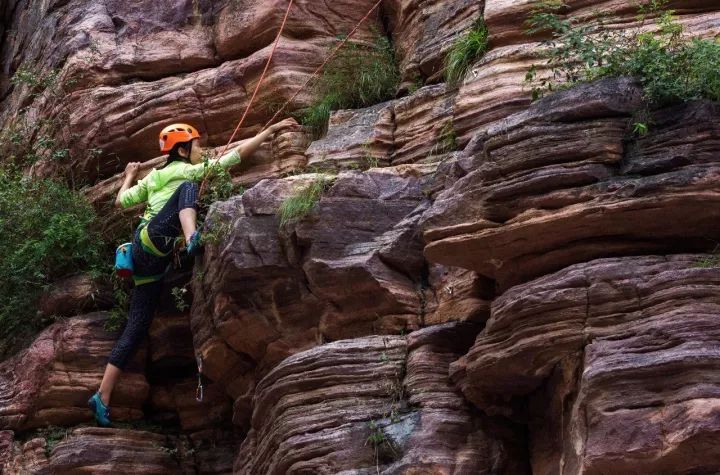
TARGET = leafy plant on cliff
(52,435)
(47,231)
(303,201)
(670,67)
(218,182)
(465,51)
(43,132)
(359,76)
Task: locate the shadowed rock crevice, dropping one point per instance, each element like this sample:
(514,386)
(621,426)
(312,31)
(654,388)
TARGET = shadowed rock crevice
(383,401)
(622,341)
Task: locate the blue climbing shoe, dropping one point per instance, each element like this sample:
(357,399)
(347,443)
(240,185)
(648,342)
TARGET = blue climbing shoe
(193,247)
(101,411)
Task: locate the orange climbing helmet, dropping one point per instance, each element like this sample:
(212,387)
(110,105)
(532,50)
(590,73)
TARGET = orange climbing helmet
(176,133)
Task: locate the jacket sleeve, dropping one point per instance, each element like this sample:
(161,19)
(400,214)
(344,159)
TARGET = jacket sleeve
(136,194)
(197,172)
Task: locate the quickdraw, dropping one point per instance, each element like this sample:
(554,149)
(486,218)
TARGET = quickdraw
(199,392)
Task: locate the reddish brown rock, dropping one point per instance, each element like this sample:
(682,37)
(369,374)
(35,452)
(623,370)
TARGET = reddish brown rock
(424,130)
(619,358)
(374,403)
(495,87)
(75,295)
(6,448)
(51,381)
(355,138)
(563,183)
(424,31)
(353,267)
(457,294)
(506,18)
(102,450)
(124,73)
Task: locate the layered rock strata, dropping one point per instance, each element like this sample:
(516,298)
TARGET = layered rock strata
(371,405)
(49,383)
(353,267)
(566,182)
(618,360)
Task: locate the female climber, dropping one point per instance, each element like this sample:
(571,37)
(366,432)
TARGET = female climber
(171,194)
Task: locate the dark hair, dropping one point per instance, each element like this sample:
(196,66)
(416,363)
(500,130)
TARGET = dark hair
(174,153)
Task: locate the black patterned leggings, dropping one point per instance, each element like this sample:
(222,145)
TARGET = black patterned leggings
(162,229)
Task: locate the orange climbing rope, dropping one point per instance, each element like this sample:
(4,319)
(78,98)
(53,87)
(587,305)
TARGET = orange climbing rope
(257,87)
(200,390)
(312,76)
(332,55)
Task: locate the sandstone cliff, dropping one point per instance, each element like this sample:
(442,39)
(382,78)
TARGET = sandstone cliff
(538,294)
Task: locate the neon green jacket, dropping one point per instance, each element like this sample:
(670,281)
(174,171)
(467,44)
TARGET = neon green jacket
(160,184)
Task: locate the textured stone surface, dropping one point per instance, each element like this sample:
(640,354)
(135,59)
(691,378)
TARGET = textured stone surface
(50,382)
(102,450)
(125,73)
(424,31)
(565,182)
(362,138)
(413,129)
(353,267)
(495,87)
(75,295)
(317,409)
(506,18)
(622,355)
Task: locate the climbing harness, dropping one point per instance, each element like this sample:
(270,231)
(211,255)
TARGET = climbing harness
(199,392)
(312,76)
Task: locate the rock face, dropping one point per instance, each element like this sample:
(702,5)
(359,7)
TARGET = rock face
(269,292)
(566,182)
(618,360)
(484,285)
(99,450)
(375,403)
(119,65)
(50,382)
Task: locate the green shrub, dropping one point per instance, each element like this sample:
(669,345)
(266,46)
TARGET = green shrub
(218,185)
(301,203)
(670,67)
(465,51)
(359,76)
(47,232)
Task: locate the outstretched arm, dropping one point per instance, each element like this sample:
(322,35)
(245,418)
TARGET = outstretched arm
(250,146)
(131,171)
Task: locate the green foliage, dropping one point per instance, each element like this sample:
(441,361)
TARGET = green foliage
(47,231)
(670,67)
(119,313)
(710,260)
(218,183)
(640,128)
(37,81)
(465,51)
(359,76)
(25,141)
(178,294)
(447,139)
(303,201)
(52,435)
